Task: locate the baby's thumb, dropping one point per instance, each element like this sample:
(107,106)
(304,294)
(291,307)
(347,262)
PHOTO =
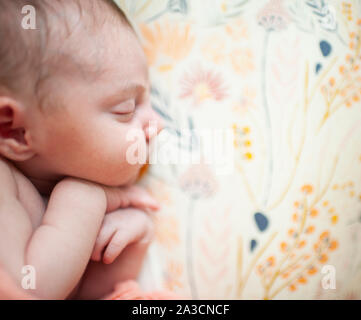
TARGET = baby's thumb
(141,199)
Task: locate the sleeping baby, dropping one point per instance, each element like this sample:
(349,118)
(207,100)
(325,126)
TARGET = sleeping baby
(70,92)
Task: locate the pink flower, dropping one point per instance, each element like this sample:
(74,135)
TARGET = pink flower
(202,84)
(274,16)
(198,182)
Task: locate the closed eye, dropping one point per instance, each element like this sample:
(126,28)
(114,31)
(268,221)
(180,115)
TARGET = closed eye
(124,108)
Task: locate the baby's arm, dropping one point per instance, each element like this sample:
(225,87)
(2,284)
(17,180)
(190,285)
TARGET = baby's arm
(61,247)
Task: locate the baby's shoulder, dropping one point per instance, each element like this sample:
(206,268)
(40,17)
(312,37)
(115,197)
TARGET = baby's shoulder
(8,185)
(14,185)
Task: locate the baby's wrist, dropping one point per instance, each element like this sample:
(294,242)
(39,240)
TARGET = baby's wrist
(83,190)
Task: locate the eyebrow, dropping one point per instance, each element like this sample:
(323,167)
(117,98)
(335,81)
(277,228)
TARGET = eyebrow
(130,87)
(125,90)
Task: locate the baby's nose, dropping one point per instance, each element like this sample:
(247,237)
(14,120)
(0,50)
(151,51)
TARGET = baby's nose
(153,126)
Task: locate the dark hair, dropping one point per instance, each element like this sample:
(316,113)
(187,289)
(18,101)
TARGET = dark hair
(25,55)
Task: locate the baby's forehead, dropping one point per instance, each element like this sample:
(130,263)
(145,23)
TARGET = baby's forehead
(93,53)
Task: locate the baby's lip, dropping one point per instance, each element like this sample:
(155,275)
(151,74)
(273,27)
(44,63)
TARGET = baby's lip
(147,153)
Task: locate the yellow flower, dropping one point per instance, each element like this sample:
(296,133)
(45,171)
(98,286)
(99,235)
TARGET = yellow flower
(246,130)
(334,219)
(307,188)
(248,156)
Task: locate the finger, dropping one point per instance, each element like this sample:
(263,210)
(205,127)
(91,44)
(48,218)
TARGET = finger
(121,240)
(104,237)
(140,198)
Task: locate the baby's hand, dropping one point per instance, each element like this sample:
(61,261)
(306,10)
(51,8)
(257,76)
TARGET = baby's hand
(121,228)
(132,196)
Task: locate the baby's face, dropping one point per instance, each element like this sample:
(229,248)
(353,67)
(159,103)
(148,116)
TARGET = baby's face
(86,136)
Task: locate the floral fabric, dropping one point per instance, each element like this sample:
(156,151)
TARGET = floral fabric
(285,78)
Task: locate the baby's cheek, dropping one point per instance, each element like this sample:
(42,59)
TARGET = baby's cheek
(135,152)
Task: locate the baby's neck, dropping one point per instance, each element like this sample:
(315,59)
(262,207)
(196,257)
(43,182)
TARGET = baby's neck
(44,183)
(45,187)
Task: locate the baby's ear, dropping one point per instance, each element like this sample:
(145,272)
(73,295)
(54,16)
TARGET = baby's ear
(13,143)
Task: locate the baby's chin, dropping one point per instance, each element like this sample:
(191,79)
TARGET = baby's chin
(129,180)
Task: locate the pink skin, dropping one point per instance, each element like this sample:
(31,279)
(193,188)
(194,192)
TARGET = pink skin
(85,137)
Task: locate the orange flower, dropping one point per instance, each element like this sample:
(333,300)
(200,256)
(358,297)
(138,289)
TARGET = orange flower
(242,60)
(316,246)
(302,280)
(313,212)
(271,261)
(171,40)
(167,231)
(295,217)
(284,246)
(324,235)
(214,49)
(237,30)
(333,245)
(312,270)
(260,269)
(323,258)
(310,229)
(292,287)
(307,188)
(301,244)
(291,232)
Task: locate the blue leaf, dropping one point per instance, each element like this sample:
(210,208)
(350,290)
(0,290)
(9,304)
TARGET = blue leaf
(261,221)
(325,48)
(318,67)
(161,113)
(253,245)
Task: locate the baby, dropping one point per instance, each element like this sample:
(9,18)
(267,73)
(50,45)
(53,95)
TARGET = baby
(70,91)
